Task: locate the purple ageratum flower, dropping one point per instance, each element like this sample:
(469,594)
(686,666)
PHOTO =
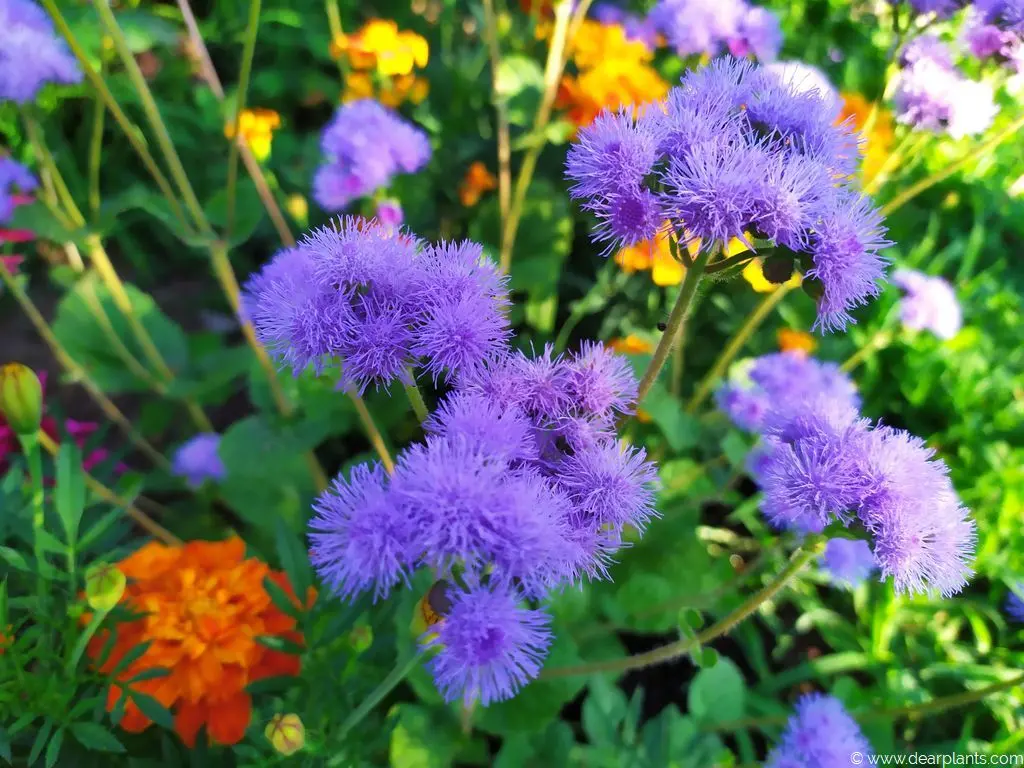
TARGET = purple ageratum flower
(926,47)
(1005,14)
(463,313)
(366,144)
(844,249)
(614,151)
(930,96)
(746,408)
(987,41)
(635,27)
(502,431)
(358,539)
(848,562)
(790,198)
(602,383)
(488,647)
(390,213)
(792,382)
(805,78)
(929,303)
(759,34)
(1015,602)
(941,8)
(819,734)
(13,175)
(629,217)
(198,460)
(698,26)
(31,55)
(922,534)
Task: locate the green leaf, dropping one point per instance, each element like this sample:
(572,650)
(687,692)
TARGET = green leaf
(520,83)
(718,693)
(680,429)
(248,211)
(53,749)
(40,741)
(281,599)
(14,559)
(88,339)
(5,745)
(95,736)
(421,740)
(70,493)
(280,644)
(294,559)
(153,673)
(152,709)
(37,218)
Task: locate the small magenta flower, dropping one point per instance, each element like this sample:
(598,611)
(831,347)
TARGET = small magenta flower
(928,303)
(198,460)
(848,562)
(488,647)
(819,734)
(31,55)
(390,213)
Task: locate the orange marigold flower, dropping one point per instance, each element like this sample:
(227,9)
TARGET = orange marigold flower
(609,85)
(596,43)
(631,345)
(381,46)
(204,606)
(257,126)
(878,141)
(796,341)
(476,181)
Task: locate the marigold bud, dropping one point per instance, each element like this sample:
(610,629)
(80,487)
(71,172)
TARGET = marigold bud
(21,398)
(104,587)
(361,638)
(286,733)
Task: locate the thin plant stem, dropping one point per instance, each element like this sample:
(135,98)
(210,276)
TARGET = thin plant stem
(678,363)
(553,69)
(109,496)
(735,344)
(248,51)
(251,163)
(334,25)
(501,112)
(731,261)
(675,324)
(880,340)
(941,175)
(65,360)
(152,112)
(30,447)
(131,132)
(419,406)
(910,143)
(95,155)
(225,274)
(400,671)
(374,435)
(805,554)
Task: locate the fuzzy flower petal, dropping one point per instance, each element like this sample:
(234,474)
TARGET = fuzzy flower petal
(820,734)
(848,561)
(198,460)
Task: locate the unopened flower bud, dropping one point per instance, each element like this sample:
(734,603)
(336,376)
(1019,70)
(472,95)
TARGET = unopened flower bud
(361,638)
(104,587)
(286,734)
(21,398)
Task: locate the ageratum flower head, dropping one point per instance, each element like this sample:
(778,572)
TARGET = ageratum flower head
(707,27)
(819,734)
(31,55)
(929,303)
(366,145)
(1015,602)
(821,463)
(520,488)
(198,460)
(378,302)
(848,562)
(13,176)
(739,151)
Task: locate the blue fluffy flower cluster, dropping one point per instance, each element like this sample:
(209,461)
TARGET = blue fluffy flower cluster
(709,26)
(820,462)
(521,485)
(30,54)
(737,152)
(997,32)
(13,176)
(820,734)
(376,301)
(366,145)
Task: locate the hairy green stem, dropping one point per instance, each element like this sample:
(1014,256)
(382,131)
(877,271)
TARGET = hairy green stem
(248,50)
(99,114)
(419,405)
(810,550)
(734,345)
(400,671)
(880,340)
(30,447)
(675,325)
(372,433)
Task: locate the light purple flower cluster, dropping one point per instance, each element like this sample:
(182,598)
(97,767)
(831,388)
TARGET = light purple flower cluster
(636,27)
(1015,602)
(737,150)
(820,463)
(932,95)
(31,55)
(819,734)
(848,562)
(366,145)
(929,303)
(520,488)
(943,9)
(712,27)
(996,31)
(198,460)
(378,301)
(13,175)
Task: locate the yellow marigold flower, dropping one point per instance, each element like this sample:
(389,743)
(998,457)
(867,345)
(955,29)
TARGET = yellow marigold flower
(476,181)
(609,85)
(631,345)
(381,46)
(399,90)
(256,126)
(657,257)
(201,608)
(878,141)
(595,44)
(298,207)
(286,734)
(796,341)
(754,275)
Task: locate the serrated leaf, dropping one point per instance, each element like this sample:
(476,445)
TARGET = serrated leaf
(95,736)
